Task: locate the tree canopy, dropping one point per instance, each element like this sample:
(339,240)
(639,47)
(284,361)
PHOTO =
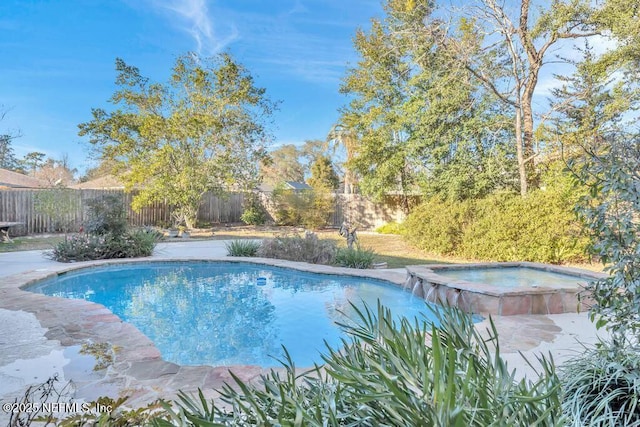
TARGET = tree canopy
(441,98)
(417,119)
(205,129)
(323,174)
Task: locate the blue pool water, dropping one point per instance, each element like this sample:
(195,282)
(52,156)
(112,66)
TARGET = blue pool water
(513,277)
(230,313)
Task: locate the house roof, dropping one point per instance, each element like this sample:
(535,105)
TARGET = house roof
(298,185)
(10,179)
(107,182)
(288,185)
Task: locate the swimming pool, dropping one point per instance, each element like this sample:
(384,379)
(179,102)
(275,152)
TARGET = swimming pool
(229,313)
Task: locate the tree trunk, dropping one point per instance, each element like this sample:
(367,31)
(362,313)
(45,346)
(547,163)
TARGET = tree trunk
(527,138)
(347,182)
(522,170)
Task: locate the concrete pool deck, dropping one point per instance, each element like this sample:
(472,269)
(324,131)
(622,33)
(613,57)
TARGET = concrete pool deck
(41,336)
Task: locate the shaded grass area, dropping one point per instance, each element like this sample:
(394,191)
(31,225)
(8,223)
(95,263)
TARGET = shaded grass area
(29,243)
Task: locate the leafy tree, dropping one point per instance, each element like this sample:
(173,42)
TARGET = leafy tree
(505,48)
(591,104)
(291,162)
(379,90)
(8,159)
(33,161)
(619,18)
(283,164)
(314,148)
(343,137)
(103,168)
(203,130)
(323,175)
(419,118)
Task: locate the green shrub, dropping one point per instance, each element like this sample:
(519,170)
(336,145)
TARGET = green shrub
(60,205)
(81,247)
(309,208)
(85,247)
(242,248)
(602,386)
(438,226)
(355,257)
(254,213)
(385,375)
(106,215)
(391,228)
(138,242)
(540,227)
(295,248)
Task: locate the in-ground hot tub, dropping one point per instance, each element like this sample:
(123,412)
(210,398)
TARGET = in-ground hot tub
(502,288)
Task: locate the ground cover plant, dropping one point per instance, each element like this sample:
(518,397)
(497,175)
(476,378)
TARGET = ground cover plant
(602,386)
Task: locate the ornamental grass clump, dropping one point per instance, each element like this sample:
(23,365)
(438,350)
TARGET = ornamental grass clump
(355,257)
(248,248)
(602,386)
(395,373)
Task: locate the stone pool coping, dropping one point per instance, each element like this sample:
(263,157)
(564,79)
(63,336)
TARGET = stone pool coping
(487,299)
(138,369)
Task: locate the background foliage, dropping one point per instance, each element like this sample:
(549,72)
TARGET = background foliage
(541,227)
(308,208)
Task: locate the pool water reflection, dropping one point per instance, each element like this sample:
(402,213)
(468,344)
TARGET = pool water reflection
(224,313)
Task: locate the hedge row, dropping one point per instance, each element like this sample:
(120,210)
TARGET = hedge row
(540,227)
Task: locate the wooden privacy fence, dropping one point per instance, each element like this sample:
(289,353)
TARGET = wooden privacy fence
(365,214)
(20,206)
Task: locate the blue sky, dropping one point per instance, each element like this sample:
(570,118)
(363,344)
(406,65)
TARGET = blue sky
(58,58)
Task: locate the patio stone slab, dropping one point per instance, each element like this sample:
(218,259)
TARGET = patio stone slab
(150,369)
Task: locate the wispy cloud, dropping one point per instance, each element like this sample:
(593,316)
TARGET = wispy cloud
(300,38)
(194,18)
(294,42)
